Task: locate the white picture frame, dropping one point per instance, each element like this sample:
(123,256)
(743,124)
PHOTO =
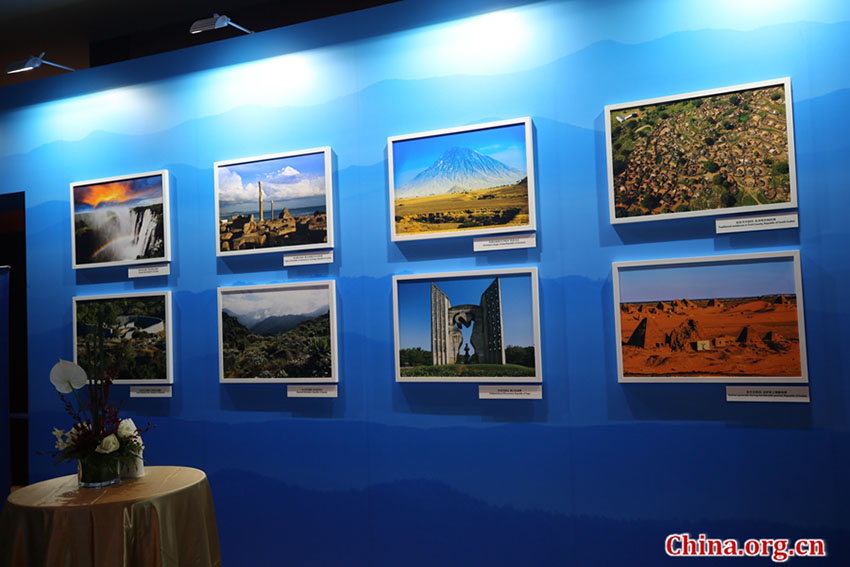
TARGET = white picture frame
(109,227)
(417,182)
(272,314)
(701,315)
(518,295)
(303,178)
(726,178)
(127,327)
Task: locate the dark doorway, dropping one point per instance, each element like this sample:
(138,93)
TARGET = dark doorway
(13,253)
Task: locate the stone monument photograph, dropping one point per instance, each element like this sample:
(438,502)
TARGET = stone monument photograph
(468,327)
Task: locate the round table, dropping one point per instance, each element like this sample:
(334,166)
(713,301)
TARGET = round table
(166,518)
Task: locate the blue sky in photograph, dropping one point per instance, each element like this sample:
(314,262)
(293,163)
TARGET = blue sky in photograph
(295,181)
(312,165)
(414,307)
(505,143)
(744,278)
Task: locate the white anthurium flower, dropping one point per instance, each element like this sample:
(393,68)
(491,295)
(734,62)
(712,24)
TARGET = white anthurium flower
(108,444)
(126,428)
(67,376)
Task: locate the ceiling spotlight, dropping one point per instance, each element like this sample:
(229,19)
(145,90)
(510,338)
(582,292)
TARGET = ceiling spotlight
(32,63)
(215,23)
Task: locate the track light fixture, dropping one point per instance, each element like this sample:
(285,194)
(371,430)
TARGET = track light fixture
(215,23)
(32,63)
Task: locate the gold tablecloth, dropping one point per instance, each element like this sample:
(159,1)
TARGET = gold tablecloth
(163,519)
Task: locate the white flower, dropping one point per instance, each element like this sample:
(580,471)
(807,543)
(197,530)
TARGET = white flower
(61,442)
(67,376)
(126,428)
(108,444)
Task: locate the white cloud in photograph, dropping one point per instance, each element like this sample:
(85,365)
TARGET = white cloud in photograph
(284,184)
(256,306)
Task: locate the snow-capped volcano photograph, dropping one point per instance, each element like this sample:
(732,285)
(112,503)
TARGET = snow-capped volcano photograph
(471,179)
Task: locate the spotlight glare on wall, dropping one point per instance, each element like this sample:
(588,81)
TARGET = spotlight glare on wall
(214,23)
(32,63)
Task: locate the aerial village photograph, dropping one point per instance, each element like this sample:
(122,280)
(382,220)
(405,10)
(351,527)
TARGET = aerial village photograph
(708,153)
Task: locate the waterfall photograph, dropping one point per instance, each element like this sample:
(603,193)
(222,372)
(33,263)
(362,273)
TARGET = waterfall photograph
(120,220)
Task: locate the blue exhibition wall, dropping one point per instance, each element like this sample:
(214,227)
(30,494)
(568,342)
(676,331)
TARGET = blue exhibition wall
(426,474)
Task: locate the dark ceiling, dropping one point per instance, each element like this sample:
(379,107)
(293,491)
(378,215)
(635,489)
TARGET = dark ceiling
(88,33)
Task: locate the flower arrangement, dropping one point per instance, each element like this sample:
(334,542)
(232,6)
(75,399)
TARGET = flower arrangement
(99,440)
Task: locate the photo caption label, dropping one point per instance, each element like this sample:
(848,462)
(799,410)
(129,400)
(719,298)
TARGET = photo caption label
(486,243)
(759,222)
(150,391)
(326,257)
(322,391)
(797,394)
(510,392)
(148,271)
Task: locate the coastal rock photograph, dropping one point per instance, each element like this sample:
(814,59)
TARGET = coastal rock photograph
(279,202)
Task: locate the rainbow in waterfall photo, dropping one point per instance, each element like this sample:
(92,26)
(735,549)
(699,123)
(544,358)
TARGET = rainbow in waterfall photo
(120,220)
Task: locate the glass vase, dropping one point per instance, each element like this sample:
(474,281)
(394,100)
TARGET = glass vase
(133,467)
(97,471)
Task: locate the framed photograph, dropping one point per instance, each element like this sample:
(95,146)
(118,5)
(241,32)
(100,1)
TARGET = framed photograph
(119,221)
(278,333)
(714,152)
(736,318)
(478,326)
(274,203)
(126,335)
(462,181)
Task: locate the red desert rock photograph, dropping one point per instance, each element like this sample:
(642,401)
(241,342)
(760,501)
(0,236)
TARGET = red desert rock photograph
(720,318)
